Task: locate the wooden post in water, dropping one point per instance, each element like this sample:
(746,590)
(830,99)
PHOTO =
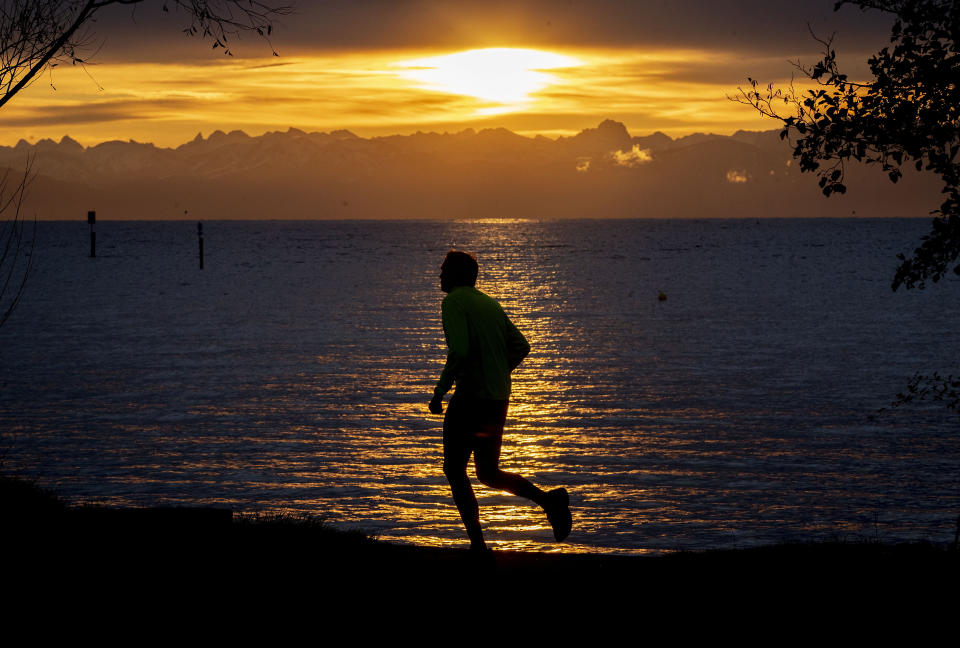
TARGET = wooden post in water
(200,236)
(92,219)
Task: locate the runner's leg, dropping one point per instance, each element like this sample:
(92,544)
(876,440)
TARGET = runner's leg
(486,457)
(457,447)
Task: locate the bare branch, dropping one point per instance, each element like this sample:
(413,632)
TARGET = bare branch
(39,34)
(17,257)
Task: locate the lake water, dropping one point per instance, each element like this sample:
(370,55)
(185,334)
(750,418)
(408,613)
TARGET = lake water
(293,372)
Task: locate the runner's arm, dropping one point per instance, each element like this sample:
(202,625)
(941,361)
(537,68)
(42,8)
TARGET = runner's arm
(458,345)
(517,345)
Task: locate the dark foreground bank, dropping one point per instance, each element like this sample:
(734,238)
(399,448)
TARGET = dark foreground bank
(51,542)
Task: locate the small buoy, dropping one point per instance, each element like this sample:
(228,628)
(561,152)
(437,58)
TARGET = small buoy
(661,296)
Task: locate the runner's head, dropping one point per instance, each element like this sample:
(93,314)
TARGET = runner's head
(459,269)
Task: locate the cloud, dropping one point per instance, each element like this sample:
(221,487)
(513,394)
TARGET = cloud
(92,113)
(647,90)
(270,65)
(737,176)
(632,158)
(745,25)
(771,26)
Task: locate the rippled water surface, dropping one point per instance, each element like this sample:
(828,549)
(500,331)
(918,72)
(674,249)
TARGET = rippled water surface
(292,374)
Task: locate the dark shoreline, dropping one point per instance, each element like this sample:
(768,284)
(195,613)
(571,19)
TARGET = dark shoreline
(183,545)
(133,532)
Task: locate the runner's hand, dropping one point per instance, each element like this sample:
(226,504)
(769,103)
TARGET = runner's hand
(436,405)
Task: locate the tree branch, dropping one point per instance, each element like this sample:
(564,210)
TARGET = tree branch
(85,14)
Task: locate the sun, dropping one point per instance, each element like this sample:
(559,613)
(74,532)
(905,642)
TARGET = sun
(500,75)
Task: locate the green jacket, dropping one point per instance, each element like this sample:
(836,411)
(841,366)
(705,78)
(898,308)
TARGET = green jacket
(483,345)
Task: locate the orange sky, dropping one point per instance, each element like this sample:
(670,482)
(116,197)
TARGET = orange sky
(149,88)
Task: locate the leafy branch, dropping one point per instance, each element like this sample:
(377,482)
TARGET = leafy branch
(944,389)
(908,114)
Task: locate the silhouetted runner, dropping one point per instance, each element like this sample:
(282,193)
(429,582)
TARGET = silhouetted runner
(483,348)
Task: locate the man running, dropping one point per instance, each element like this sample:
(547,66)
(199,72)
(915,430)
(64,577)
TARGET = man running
(483,348)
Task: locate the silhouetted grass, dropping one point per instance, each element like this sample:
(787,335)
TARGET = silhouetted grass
(22,498)
(174,546)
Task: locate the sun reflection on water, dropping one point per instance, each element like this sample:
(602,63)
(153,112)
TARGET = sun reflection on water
(682,424)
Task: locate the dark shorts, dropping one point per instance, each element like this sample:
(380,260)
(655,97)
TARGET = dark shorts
(472,424)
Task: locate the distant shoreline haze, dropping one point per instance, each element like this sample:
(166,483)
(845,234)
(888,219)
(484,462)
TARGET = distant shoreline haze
(602,172)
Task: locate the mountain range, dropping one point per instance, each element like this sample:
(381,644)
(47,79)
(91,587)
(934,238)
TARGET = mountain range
(600,172)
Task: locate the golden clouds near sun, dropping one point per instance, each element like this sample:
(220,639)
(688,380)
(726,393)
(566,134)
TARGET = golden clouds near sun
(501,75)
(385,92)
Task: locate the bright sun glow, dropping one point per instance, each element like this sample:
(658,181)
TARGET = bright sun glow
(376,93)
(505,76)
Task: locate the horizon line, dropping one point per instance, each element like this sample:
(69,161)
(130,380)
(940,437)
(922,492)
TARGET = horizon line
(351,133)
(83,219)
